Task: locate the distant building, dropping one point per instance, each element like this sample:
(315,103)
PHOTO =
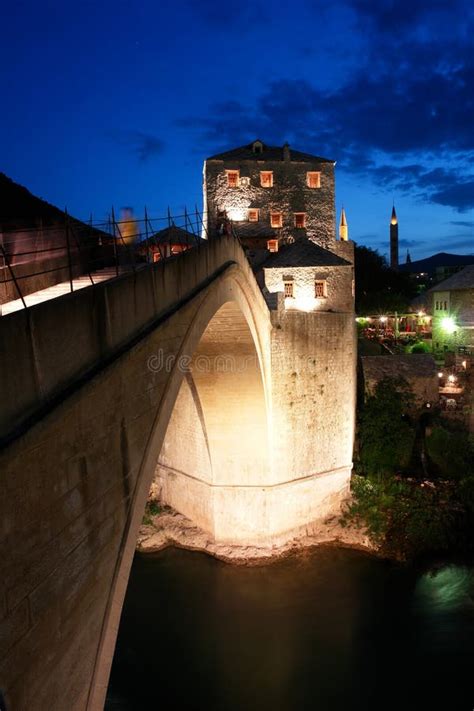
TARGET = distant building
(453,311)
(419,370)
(431,270)
(167,242)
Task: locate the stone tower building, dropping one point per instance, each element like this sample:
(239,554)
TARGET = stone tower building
(281,205)
(271,193)
(394,240)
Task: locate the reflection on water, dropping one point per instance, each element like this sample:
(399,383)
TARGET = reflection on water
(330,630)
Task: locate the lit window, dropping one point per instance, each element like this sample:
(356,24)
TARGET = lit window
(266,178)
(288,285)
(272,245)
(320,289)
(232,178)
(313,180)
(276,219)
(300,219)
(253,215)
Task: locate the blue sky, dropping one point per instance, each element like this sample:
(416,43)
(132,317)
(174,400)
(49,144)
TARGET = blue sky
(119,103)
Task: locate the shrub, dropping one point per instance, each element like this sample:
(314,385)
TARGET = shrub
(386,435)
(419,347)
(409,519)
(451,452)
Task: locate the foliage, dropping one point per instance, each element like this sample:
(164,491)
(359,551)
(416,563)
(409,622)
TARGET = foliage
(385,432)
(451,451)
(408,519)
(379,288)
(420,347)
(152,508)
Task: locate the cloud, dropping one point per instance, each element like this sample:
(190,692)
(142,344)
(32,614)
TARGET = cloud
(462,223)
(403,118)
(143,145)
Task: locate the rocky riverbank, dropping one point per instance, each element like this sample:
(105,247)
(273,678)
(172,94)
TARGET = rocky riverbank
(170,528)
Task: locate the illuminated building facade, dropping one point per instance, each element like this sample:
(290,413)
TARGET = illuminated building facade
(271,193)
(453,311)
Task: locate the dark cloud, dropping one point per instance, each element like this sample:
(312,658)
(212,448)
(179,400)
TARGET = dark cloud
(459,195)
(405,118)
(462,223)
(143,145)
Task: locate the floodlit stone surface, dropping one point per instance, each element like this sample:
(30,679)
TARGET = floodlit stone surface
(255,449)
(171,528)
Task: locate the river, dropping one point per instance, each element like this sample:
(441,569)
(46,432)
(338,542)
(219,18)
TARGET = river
(329,630)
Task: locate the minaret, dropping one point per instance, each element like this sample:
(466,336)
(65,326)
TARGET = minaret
(343,229)
(394,240)
(408,259)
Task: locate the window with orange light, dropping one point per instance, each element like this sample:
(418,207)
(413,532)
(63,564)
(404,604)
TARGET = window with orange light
(289,291)
(300,219)
(232,178)
(253,215)
(313,179)
(266,178)
(276,219)
(320,290)
(272,245)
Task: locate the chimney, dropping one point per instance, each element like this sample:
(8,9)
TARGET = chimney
(286,152)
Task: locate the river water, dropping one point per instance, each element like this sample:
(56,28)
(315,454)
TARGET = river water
(328,630)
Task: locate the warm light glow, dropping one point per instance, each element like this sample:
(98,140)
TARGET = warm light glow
(464,364)
(276,219)
(232,178)
(253,215)
(383,319)
(448,324)
(301,303)
(421,313)
(440,375)
(266,178)
(313,179)
(452,378)
(236,214)
(300,219)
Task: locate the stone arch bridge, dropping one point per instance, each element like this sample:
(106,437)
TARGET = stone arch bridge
(177,374)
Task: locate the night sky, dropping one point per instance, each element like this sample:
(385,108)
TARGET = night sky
(119,103)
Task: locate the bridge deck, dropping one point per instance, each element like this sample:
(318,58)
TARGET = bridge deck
(64,287)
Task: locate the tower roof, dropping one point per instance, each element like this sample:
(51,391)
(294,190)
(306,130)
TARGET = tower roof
(343,221)
(394,219)
(270,153)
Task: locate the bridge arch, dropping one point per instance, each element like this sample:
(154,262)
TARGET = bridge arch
(218,380)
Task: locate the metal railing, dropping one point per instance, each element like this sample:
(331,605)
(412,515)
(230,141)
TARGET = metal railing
(36,257)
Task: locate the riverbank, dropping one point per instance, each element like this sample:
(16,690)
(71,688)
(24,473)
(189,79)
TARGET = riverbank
(170,528)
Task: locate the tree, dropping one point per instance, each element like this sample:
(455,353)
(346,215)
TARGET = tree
(378,287)
(385,432)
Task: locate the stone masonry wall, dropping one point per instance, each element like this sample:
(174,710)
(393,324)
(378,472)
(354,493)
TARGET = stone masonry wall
(338,283)
(313,392)
(288,195)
